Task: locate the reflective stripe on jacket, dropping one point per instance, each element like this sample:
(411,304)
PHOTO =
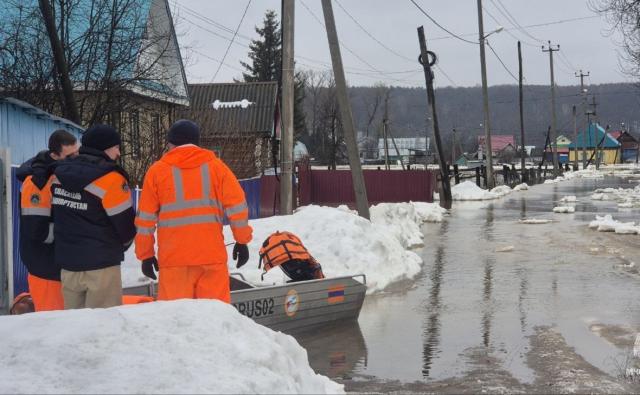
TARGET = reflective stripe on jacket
(36,230)
(185,196)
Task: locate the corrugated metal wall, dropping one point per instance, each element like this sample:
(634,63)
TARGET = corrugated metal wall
(335,187)
(25,133)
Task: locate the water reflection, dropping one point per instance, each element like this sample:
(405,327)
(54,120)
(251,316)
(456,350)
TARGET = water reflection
(522,296)
(431,336)
(523,208)
(487,312)
(488,224)
(335,351)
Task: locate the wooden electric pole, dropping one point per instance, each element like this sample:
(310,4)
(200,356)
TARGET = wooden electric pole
(485,100)
(583,103)
(427,62)
(575,139)
(71,110)
(554,143)
(346,116)
(520,95)
(286,179)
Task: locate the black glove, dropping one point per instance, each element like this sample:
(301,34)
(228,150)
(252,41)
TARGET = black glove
(147,267)
(241,254)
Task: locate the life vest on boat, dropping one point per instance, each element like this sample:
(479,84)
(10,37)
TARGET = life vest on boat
(286,250)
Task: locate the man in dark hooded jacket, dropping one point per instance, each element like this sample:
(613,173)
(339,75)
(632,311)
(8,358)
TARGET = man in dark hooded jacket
(36,228)
(93,221)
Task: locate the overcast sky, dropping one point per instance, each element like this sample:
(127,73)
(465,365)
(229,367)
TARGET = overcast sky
(205,29)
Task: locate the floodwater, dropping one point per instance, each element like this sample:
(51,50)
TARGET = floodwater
(561,306)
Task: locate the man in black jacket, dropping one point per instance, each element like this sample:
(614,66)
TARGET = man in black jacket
(93,221)
(36,228)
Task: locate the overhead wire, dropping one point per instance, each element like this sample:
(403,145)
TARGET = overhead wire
(401,56)
(511,18)
(235,33)
(442,27)
(506,30)
(500,60)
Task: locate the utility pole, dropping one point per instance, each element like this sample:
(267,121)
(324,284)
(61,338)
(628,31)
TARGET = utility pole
(286,180)
(346,116)
(386,142)
(554,143)
(445,198)
(485,99)
(385,123)
(453,146)
(575,139)
(583,103)
(520,95)
(71,110)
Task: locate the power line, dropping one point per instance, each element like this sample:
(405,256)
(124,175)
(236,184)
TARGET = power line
(371,35)
(216,60)
(557,22)
(507,30)
(510,17)
(500,60)
(442,27)
(235,33)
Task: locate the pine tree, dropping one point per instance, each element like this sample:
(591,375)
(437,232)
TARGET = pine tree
(265,54)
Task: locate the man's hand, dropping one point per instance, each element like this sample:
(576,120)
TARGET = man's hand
(241,254)
(147,267)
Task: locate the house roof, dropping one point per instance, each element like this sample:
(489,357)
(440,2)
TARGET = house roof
(244,107)
(591,137)
(158,69)
(498,142)
(39,113)
(623,136)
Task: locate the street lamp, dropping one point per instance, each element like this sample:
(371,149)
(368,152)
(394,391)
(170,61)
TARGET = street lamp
(485,96)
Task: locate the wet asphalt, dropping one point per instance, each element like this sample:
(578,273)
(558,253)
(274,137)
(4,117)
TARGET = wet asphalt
(475,313)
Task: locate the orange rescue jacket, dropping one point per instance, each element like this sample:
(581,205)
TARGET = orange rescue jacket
(186,195)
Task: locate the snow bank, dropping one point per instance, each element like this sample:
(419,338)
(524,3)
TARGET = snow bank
(468,190)
(186,346)
(404,219)
(340,240)
(608,224)
(521,187)
(343,243)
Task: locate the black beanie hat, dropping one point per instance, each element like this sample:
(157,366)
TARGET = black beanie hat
(184,132)
(101,137)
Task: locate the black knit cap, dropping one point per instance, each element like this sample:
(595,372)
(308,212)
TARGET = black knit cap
(184,132)
(101,137)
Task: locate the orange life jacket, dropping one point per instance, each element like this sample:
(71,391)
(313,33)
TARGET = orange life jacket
(285,249)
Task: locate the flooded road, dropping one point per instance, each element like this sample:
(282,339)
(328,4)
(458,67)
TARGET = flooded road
(557,311)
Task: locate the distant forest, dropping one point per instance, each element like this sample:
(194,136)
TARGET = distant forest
(461,108)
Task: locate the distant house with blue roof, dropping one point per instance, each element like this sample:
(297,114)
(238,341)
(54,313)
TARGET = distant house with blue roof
(595,138)
(124,63)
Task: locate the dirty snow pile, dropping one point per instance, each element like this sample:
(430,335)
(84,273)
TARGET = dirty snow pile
(185,346)
(521,187)
(468,190)
(625,197)
(346,244)
(608,224)
(343,243)
(404,219)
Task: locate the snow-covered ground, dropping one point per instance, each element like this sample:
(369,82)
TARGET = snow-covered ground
(343,243)
(186,346)
(468,190)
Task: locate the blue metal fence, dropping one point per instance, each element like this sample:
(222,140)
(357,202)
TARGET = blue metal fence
(250,186)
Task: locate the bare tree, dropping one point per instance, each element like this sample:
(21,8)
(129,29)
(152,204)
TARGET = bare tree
(623,15)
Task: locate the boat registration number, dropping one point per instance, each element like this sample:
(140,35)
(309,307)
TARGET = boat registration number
(255,308)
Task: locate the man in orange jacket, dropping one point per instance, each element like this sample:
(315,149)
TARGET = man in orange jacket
(186,195)
(36,227)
